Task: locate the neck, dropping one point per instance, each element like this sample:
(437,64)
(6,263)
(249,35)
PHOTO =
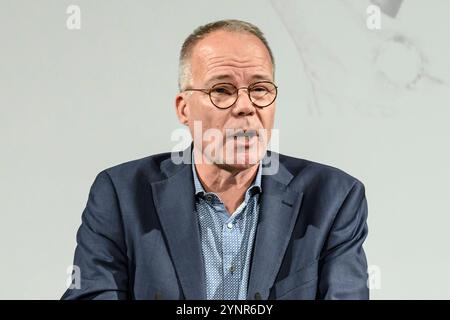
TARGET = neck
(223,178)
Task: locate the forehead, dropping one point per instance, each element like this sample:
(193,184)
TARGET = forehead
(233,54)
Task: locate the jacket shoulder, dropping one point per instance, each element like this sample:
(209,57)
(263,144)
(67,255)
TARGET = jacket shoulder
(315,173)
(148,167)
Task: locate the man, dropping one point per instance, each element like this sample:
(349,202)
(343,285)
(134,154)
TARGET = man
(239,222)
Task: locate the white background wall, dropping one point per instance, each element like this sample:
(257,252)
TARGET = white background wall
(73,103)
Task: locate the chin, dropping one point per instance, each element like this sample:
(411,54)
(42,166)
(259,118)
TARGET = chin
(241,167)
(242,160)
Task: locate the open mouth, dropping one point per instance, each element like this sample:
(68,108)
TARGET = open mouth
(242,133)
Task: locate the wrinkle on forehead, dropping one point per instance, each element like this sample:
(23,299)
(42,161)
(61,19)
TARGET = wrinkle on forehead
(251,56)
(237,62)
(244,53)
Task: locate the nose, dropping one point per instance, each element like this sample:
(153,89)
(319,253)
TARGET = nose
(243,105)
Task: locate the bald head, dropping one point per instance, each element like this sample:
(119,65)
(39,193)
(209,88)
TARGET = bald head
(210,30)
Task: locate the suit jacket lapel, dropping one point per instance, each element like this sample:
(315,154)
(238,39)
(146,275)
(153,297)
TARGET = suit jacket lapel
(175,205)
(278,214)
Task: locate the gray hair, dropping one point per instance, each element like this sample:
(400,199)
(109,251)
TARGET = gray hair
(184,69)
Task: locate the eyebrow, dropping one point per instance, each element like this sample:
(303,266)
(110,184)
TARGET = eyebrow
(227,77)
(218,77)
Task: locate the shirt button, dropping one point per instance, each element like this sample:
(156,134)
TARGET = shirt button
(232,269)
(208,198)
(230,225)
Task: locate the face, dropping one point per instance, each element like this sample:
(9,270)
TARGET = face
(240,59)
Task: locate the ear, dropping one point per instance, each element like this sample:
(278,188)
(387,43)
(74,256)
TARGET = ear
(182,109)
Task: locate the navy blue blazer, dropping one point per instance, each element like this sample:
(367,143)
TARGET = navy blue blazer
(139,237)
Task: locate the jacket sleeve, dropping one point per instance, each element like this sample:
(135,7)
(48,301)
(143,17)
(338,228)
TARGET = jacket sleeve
(100,255)
(343,267)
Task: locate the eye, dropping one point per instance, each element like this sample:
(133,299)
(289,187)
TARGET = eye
(223,89)
(260,89)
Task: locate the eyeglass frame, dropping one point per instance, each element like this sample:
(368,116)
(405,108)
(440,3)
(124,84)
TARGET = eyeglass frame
(208,92)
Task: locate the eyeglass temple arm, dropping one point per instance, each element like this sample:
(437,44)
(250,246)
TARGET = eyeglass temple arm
(201,90)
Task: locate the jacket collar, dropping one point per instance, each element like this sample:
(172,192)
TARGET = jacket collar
(175,206)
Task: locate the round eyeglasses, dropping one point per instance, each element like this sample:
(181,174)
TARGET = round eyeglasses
(223,95)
